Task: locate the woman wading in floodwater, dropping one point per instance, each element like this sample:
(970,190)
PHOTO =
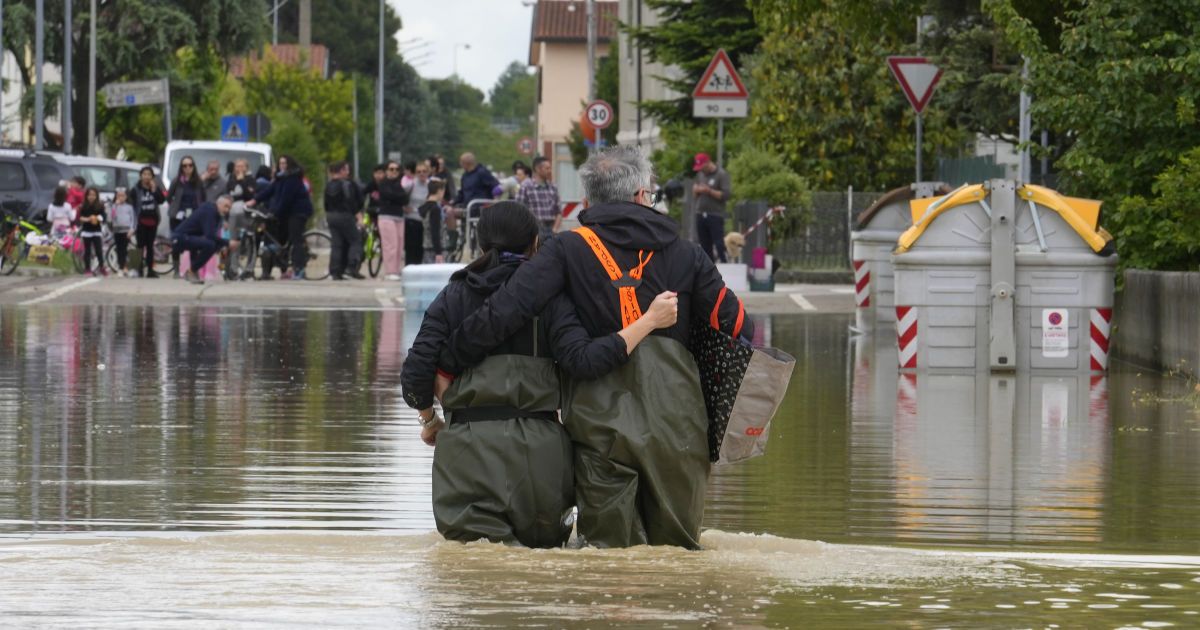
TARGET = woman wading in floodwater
(502,466)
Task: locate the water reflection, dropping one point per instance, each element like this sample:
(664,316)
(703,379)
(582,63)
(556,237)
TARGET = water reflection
(173,456)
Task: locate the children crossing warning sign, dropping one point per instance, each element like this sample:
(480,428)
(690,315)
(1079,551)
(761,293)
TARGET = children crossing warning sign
(720,92)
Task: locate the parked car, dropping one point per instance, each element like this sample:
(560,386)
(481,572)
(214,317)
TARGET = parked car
(28,180)
(202,151)
(103,173)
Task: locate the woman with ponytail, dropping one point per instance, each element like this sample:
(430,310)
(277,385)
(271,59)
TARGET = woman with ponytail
(502,465)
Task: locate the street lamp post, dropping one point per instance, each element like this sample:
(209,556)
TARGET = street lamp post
(455,55)
(379,93)
(91,122)
(66,96)
(39,56)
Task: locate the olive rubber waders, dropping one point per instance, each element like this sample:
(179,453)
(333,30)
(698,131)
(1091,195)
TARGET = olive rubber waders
(641,449)
(506,478)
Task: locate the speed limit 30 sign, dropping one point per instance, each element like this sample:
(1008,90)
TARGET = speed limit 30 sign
(600,114)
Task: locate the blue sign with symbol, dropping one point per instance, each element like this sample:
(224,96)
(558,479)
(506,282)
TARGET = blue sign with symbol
(131,100)
(234,128)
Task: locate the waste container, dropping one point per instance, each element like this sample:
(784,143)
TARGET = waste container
(1004,276)
(421,285)
(872,241)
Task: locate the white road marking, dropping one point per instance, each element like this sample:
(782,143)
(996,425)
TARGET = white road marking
(842,290)
(803,302)
(381,297)
(59,292)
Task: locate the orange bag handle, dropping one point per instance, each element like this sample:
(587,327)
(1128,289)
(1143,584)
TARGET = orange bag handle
(630,309)
(715,321)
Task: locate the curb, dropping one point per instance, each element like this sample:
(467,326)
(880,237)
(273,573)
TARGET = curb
(798,276)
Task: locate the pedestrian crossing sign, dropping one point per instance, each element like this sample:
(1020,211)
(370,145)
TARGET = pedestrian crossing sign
(233,128)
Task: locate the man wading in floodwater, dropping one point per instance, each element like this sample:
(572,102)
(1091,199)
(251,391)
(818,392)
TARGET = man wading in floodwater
(639,432)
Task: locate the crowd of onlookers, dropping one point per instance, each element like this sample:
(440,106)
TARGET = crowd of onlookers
(416,208)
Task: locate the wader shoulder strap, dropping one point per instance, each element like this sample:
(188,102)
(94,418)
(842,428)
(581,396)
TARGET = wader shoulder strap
(626,285)
(715,320)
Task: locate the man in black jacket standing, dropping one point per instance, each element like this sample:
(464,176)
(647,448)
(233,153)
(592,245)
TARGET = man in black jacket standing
(343,213)
(640,432)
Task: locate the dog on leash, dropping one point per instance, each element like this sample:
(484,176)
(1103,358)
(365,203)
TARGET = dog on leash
(734,242)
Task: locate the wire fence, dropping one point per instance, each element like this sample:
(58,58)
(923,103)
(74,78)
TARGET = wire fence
(824,244)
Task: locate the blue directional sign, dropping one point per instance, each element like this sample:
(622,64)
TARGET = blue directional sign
(130,99)
(234,128)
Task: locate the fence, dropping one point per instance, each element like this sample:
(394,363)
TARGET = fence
(825,242)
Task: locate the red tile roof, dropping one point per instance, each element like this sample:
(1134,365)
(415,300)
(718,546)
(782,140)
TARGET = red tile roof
(566,21)
(290,54)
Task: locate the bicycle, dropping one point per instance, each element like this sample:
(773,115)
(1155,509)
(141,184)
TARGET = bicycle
(372,249)
(317,244)
(163,264)
(14,246)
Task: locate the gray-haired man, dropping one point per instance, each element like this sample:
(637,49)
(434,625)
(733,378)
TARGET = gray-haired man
(641,451)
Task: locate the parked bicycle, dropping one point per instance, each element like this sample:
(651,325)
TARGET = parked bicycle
(14,245)
(258,242)
(372,249)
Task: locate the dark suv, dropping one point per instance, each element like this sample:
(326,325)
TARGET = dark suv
(28,180)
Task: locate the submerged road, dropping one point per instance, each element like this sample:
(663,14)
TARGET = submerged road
(362,294)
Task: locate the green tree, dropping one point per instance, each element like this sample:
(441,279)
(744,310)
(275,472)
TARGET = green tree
(1122,83)
(758,174)
(322,105)
(350,29)
(689,32)
(824,99)
(514,97)
(608,89)
(290,135)
(137,40)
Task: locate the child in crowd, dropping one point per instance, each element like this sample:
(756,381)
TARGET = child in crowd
(75,187)
(123,223)
(60,214)
(91,230)
(431,217)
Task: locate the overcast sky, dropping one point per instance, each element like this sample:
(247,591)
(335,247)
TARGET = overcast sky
(496,30)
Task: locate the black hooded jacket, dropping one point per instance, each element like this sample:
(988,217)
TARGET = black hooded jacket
(566,266)
(574,349)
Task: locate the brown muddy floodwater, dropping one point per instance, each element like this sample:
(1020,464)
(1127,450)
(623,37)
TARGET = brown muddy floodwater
(218,467)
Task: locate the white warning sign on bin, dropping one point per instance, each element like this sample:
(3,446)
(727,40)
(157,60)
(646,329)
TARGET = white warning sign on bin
(1055,333)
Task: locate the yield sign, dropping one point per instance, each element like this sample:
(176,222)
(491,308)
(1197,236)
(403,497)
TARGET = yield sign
(917,78)
(720,80)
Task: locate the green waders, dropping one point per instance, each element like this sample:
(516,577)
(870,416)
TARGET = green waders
(502,466)
(641,449)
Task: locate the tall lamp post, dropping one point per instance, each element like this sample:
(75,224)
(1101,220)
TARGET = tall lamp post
(455,55)
(379,93)
(39,56)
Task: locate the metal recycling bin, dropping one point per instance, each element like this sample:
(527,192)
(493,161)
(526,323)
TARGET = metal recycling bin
(421,285)
(872,240)
(1004,276)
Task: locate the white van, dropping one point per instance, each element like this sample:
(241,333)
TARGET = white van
(105,174)
(202,151)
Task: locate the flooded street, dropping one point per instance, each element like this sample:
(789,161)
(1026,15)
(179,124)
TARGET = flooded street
(169,467)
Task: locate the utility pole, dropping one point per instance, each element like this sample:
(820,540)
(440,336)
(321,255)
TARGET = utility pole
(305,24)
(354,115)
(1,70)
(1026,124)
(274,22)
(591,50)
(39,56)
(379,94)
(91,122)
(68,28)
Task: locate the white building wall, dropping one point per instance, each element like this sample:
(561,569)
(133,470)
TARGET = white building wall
(652,88)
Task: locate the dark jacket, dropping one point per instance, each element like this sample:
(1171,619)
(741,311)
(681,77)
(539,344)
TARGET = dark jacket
(476,184)
(287,196)
(204,222)
(431,216)
(241,189)
(343,196)
(575,350)
(91,210)
(146,202)
(183,190)
(566,265)
(392,197)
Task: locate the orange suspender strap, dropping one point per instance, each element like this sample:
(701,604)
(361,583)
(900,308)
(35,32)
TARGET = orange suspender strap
(714,319)
(630,310)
